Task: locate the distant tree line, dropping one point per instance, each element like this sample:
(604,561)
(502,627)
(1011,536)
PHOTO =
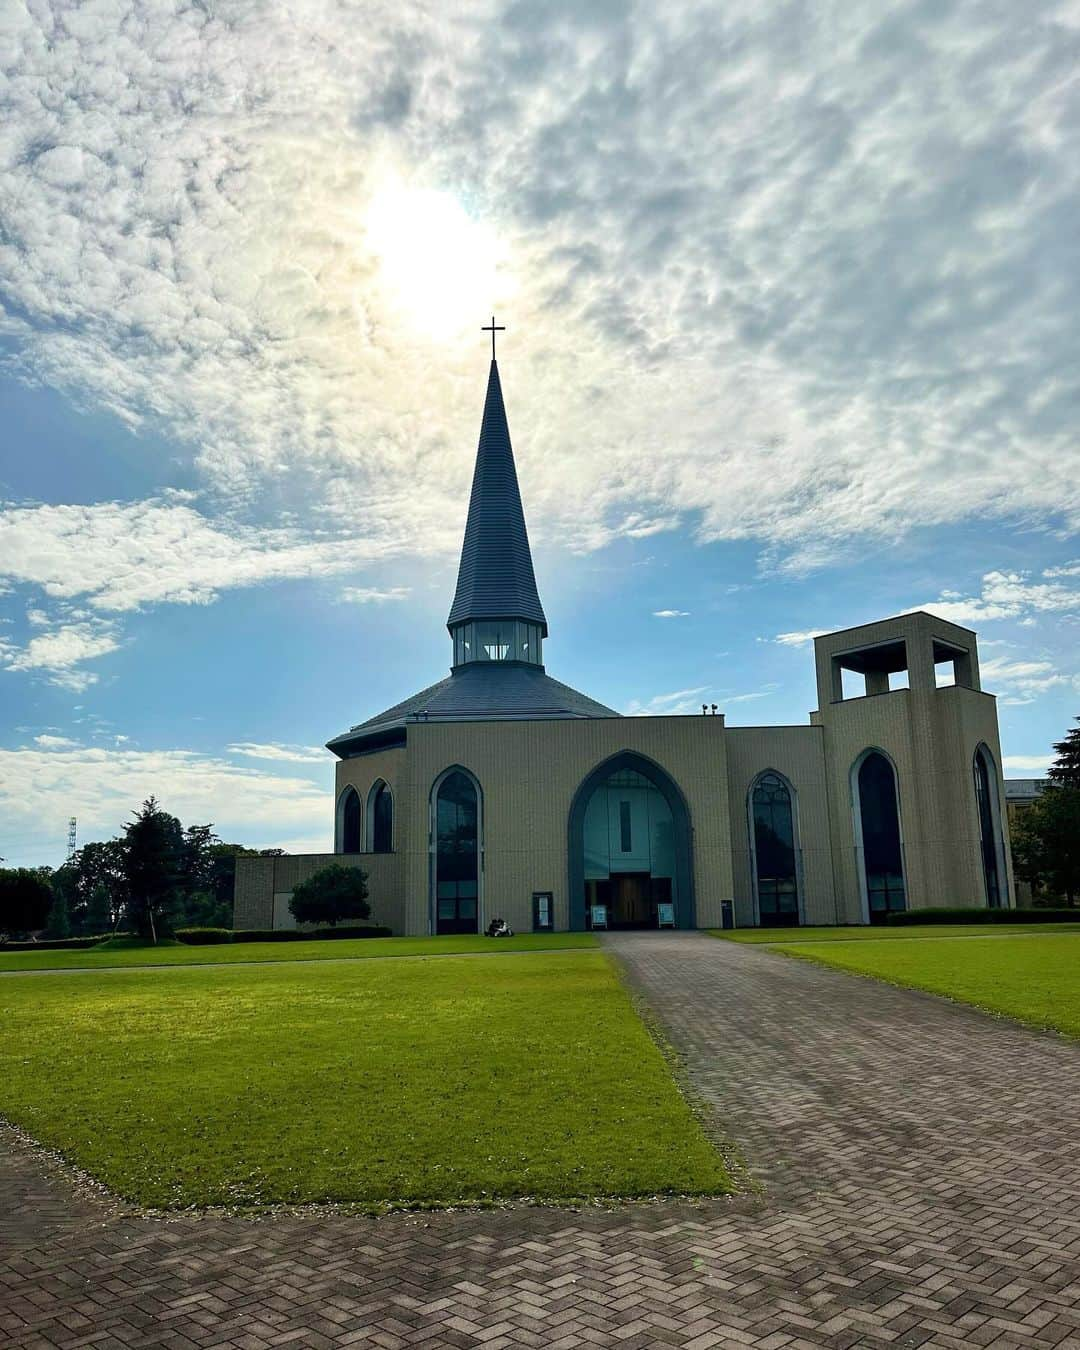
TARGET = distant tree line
(155,877)
(1046,837)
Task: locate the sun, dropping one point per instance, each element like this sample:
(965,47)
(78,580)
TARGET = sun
(439,265)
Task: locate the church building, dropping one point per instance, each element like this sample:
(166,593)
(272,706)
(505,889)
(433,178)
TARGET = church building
(499,792)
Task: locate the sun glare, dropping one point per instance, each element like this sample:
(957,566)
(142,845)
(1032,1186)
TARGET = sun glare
(438,265)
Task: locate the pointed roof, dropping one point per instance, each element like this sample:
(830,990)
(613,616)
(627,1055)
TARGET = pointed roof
(495,578)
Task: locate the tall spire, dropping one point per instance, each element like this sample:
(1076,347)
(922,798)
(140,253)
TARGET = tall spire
(495,578)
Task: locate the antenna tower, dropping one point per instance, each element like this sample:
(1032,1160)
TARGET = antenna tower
(72,830)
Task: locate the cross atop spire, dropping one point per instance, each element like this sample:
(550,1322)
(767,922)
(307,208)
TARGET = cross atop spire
(493,328)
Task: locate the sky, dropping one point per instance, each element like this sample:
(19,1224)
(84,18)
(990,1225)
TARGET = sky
(791,297)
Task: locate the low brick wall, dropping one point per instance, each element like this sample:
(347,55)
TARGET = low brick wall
(264,887)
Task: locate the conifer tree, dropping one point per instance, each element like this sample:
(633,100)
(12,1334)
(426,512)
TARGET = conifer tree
(154,865)
(1065,770)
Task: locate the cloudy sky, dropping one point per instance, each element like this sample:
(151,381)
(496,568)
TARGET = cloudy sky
(791,296)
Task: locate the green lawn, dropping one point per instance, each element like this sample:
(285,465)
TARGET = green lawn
(1034,977)
(335,949)
(864,933)
(382,1083)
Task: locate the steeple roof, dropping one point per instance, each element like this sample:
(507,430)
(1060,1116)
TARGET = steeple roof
(495,578)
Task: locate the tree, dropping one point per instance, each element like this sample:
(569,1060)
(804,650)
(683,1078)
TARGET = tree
(1046,843)
(1065,770)
(59,925)
(330,895)
(25,900)
(154,863)
(95,874)
(99,915)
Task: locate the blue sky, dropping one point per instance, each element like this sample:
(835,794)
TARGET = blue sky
(792,345)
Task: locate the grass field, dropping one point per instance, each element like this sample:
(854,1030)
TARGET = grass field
(383,1083)
(1031,976)
(864,933)
(123,954)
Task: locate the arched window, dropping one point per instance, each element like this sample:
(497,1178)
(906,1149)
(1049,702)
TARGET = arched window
(456,846)
(772,822)
(348,831)
(986,799)
(381,818)
(880,846)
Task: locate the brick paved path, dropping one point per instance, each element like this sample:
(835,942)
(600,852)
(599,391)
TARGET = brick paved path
(921,1165)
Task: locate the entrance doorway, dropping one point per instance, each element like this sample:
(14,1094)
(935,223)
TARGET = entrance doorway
(629,849)
(632,899)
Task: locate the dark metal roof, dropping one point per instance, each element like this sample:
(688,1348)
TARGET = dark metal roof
(482,691)
(495,578)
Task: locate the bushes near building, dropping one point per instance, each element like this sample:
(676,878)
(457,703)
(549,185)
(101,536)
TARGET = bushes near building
(943,914)
(331,895)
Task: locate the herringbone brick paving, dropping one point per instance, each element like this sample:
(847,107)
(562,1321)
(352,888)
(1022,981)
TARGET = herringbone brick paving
(921,1173)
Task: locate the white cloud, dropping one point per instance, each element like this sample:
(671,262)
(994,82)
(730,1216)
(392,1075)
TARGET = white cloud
(1008,595)
(59,652)
(1033,764)
(121,556)
(1022,680)
(293,754)
(48,742)
(800,639)
(671,613)
(40,789)
(828,295)
(669,705)
(368,595)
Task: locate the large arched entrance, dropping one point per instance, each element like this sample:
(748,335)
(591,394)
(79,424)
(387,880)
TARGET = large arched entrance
(629,846)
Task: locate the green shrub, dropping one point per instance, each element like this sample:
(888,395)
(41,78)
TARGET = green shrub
(956,914)
(204,937)
(311,935)
(50,944)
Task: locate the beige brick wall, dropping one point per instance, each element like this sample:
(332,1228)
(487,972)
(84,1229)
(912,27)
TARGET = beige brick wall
(529,772)
(798,754)
(262,881)
(931,735)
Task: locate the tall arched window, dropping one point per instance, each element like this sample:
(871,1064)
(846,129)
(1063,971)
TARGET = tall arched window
(456,841)
(882,852)
(381,818)
(986,798)
(772,823)
(348,831)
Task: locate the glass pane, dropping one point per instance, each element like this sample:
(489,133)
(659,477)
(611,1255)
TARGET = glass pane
(350,825)
(382,829)
(625,842)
